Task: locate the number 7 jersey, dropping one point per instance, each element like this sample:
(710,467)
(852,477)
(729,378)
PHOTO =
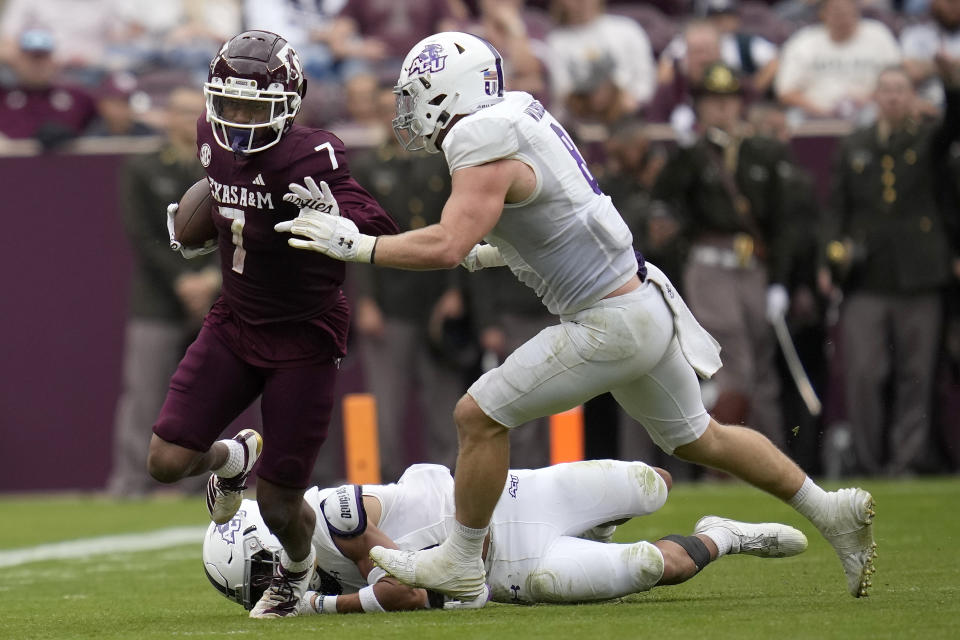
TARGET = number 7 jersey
(264,279)
(566,241)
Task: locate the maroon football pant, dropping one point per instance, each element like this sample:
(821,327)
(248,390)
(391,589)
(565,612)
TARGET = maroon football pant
(212,386)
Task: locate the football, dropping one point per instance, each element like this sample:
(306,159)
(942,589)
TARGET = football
(193,223)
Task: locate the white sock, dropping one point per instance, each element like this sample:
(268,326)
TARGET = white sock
(234,463)
(296,567)
(721,537)
(809,501)
(466,542)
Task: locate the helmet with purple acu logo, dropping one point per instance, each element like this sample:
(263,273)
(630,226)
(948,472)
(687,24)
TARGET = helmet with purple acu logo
(444,75)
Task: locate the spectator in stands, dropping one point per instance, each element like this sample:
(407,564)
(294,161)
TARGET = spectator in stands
(168,295)
(117,109)
(399,316)
(305,25)
(727,191)
(377,35)
(921,42)
(830,69)
(752,56)
(673,101)
(362,124)
(36,105)
(586,37)
(893,255)
(82,29)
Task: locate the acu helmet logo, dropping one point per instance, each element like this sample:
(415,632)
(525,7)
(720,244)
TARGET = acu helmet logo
(228,530)
(429,60)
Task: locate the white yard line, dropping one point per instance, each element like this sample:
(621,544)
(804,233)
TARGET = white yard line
(160,539)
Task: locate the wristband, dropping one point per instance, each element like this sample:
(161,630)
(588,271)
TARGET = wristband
(368,600)
(321,603)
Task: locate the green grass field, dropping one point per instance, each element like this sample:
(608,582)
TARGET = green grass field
(164,594)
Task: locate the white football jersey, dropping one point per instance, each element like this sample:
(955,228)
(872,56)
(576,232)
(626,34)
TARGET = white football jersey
(416,512)
(566,241)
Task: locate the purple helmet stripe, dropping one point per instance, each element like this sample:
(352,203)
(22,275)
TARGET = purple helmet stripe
(499,64)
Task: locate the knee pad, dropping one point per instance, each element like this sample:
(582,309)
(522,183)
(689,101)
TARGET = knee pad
(646,564)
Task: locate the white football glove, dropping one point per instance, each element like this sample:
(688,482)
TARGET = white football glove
(330,235)
(482,256)
(313,197)
(175,245)
(778,301)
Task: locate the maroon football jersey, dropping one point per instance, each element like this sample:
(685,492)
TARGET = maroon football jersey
(264,279)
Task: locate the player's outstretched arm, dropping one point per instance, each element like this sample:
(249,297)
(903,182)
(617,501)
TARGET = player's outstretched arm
(473,208)
(475,204)
(383,593)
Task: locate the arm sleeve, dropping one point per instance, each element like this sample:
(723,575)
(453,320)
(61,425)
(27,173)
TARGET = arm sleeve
(475,141)
(358,205)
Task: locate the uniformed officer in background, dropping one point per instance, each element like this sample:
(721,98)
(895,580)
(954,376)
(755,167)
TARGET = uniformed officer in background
(726,192)
(168,295)
(891,249)
(409,324)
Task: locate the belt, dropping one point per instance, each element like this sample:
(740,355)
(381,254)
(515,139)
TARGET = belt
(719,257)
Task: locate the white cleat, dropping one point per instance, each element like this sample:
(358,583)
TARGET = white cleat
(849,530)
(764,539)
(434,569)
(287,594)
(224,495)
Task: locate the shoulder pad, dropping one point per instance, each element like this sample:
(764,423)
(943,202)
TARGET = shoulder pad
(479,140)
(344,512)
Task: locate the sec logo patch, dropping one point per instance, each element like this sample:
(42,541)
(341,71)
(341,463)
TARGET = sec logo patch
(205,154)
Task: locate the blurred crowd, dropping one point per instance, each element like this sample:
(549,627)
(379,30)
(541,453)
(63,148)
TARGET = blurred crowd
(687,112)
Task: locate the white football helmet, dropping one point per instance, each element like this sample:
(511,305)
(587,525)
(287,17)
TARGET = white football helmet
(444,75)
(239,556)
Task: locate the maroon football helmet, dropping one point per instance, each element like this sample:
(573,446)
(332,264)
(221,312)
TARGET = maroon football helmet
(254,91)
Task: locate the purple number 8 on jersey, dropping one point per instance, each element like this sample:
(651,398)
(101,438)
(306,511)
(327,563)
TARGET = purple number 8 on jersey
(572,150)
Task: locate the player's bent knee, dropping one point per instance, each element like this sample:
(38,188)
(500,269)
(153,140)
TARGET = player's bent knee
(704,448)
(473,422)
(667,478)
(165,462)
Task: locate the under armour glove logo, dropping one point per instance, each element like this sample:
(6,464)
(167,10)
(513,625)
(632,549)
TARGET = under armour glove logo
(344,241)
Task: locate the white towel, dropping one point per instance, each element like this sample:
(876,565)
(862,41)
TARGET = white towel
(696,344)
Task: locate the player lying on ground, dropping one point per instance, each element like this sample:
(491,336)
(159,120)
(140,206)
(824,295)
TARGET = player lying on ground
(546,541)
